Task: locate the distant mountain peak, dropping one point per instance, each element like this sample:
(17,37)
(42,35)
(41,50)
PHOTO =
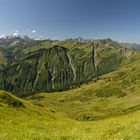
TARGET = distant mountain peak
(2,36)
(15,36)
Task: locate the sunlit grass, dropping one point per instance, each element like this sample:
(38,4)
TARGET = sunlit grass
(49,116)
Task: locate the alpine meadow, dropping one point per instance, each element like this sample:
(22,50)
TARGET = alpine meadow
(69,87)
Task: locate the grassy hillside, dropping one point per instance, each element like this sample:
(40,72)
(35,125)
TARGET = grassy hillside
(19,119)
(36,122)
(112,94)
(106,108)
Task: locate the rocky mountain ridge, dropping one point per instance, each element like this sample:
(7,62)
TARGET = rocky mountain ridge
(46,66)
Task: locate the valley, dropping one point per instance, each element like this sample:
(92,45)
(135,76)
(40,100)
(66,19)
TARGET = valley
(107,107)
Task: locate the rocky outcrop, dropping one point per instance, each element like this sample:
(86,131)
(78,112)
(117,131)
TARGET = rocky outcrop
(72,67)
(93,56)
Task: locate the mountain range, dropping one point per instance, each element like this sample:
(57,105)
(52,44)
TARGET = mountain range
(72,89)
(48,65)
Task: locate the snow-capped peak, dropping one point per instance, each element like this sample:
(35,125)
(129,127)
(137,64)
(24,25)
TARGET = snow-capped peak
(2,36)
(14,36)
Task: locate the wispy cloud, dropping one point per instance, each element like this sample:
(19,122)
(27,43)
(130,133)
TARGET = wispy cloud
(55,38)
(16,31)
(33,31)
(30,31)
(15,34)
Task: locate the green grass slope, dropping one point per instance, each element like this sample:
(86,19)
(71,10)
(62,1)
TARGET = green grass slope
(106,108)
(39,123)
(10,100)
(112,94)
(19,119)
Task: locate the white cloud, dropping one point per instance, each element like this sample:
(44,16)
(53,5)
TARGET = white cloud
(55,38)
(33,31)
(16,31)
(16,34)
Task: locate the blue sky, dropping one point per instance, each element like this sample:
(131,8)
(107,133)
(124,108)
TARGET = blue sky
(116,19)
